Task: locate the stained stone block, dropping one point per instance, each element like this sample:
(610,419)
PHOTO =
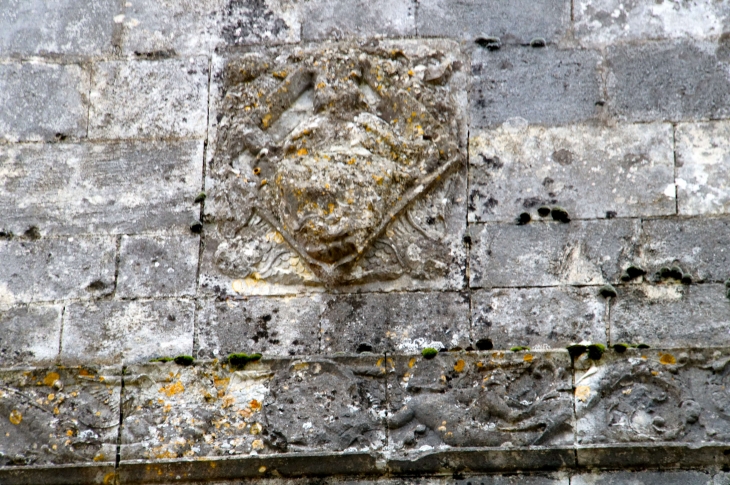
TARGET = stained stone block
(158,266)
(43,102)
(126,100)
(513,22)
(592,172)
(395,322)
(30,335)
(49,269)
(538,317)
(486,399)
(671,315)
(322,19)
(665,477)
(128,187)
(675,81)
(603,22)
(551,253)
(698,246)
(543,86)
(273,326)
(541,479)
(129,331)
(59,415)
(703,158)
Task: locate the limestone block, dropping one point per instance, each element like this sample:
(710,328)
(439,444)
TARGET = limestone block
(592,172)
(273,326)
(665,477)
(485,399)
(50,269)
(551,253)
(538,317)
(127,99)
(129,187)
(323,19)
(59,415)
(43,102)
(30,334)
(506,83)
(129,331)
(668,81)
(603,22)
(703,159)
(513,22)
(671,315)
(538,479)
(153,266)
(395,322)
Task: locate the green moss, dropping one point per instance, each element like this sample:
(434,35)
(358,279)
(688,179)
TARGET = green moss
(642,346)
(727,294)
(543,211)
(523,219)
(632,272)
(519,349)
(663,272)
(429,353)
(538,42)
(620,348)
(196,227)
(200,198)
(727,283)
(607,291)
(560,214)
(241,359)
(162,359)
(686,279)
(576,350)
(595,351)
(184,360)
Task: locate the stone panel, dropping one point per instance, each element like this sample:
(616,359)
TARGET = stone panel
(128,187)
(31,334)
(153,266)
(703,158)
(675,81)
(538,317)
(127,99)
(592,172)
(505,83)
(129,331)
(551,253)
(666,477)
(516,22)
(43,102)
(59,415)
(327,19)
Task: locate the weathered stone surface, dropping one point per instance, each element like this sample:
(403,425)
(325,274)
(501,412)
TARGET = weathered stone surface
(541,479)
(551,253)
(59,415)
(538,317)
(325,19)
(590,171)
(516,22)
(273,326)
(126,100)
(43,101)
(703,158)
(668,81)
(698,246)
(543,86)
(488,399)
(30,334)
(602,22)
(157,266)
(129,331)
(51,269)
(128,187)
(671,315)
(667,477)
(395,322)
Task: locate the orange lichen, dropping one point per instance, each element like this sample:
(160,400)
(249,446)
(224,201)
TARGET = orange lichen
(255,405)
(172,389)
(15,417)
(527,358)
(51,378)
(459,366)
(667,359)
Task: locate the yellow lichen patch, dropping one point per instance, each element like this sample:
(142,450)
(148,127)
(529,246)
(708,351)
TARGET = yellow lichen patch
(266,120)
(228,401)
(255,405)
(654,373)
(378,179)
(301,366)
(69,432)
(667,359)
(15,417)
(172,389)
(527,358)
(262,469)
(238,286)
(51,397)
(412,362)
(302,152)
(280,74)
(109,478)
(99,457)
(56,411)
(51,378)
(257,445)
(459,366)
(256,428)
(582,393)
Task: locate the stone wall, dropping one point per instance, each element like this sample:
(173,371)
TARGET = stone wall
(540,190)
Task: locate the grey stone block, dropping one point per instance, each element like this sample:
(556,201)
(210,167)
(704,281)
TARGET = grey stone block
(128,331)
(322,19)
(51,269)
(513,22)
(31,334)
(666,477)
(126,100)
(541,85)
(703,158)
(671,315)
(153,266)
(538,317)
(538,479)
(551,253)
(675,81)
(395,322)
(29,27)
(273,326)
(59,415)
(592,172)
(43,102)
(128,187)
(699,246)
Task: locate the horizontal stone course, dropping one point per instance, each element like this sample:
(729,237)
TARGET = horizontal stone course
(325,19)
(31,334)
